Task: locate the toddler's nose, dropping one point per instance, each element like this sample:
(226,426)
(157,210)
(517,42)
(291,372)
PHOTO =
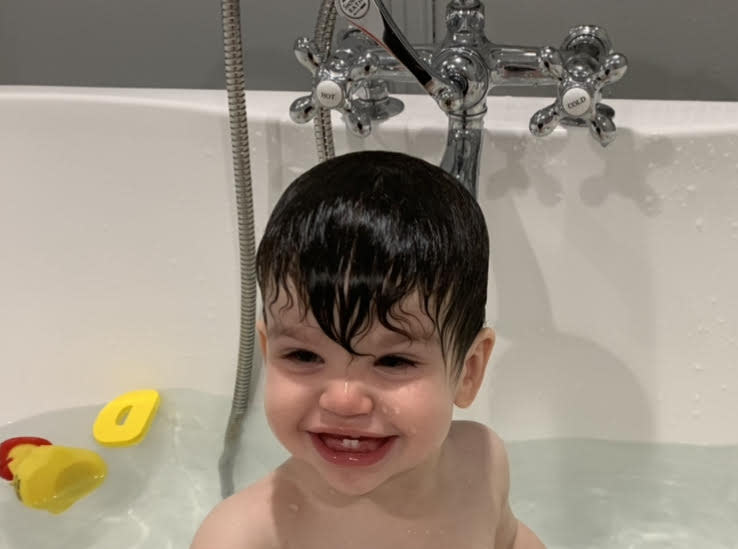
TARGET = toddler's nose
(346,398)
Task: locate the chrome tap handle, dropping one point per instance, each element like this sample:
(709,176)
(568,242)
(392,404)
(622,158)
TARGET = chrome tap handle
(585,67)
(335,84)
(373,18)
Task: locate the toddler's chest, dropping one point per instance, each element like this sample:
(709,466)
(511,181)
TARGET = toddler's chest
(432,537)
(463,528)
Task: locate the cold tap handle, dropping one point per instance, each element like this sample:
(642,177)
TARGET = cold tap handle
(584,64)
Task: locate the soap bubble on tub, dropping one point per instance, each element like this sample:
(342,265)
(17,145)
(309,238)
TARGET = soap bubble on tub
(699,224)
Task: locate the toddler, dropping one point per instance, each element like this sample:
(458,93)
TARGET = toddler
(373,272)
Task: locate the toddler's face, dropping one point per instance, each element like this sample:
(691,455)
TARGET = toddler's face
(357,420)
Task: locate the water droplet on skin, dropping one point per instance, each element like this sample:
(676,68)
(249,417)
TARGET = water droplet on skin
(396,410)
(413,431)
(294,507)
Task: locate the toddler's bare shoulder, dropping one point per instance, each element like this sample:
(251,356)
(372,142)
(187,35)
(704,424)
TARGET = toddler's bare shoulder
(477,436)
(244,520)
(486,448)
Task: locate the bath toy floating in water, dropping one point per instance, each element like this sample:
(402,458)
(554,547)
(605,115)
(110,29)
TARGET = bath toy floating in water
(17,448)
(126,419)
(50,477)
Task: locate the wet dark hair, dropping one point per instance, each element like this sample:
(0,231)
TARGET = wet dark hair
(359,233)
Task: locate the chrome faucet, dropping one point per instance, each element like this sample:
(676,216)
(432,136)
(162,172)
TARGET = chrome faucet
(458,73)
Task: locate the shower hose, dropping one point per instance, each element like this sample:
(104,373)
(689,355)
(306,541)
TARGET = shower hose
(235,86)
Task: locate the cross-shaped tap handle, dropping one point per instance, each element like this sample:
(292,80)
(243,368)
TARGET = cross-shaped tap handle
(334,84)
(587,65)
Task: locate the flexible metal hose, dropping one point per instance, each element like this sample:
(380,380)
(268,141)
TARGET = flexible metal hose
(235,85)
(234,75)
(324,28)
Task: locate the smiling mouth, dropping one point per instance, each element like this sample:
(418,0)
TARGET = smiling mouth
(351,450)
(342,443)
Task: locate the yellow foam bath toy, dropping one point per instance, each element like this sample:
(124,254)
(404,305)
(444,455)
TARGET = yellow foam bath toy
(53,477)
(126,419)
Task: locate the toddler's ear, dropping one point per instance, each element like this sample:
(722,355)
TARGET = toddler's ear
(475,364)
(261,330)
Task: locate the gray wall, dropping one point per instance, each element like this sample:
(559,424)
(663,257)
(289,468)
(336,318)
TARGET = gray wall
(678,49)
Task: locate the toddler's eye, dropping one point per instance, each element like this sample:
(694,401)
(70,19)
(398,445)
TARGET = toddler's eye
(392,361)
(302,355)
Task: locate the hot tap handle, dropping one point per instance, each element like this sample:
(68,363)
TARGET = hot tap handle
(334,84)
(590,65)
(373,18)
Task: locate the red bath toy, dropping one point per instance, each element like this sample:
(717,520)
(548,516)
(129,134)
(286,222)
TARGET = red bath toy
(7,446)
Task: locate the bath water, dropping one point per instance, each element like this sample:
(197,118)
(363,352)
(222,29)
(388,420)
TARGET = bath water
(576,494)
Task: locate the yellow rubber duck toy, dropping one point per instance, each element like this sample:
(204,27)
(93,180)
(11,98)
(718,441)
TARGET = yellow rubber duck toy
(50,477)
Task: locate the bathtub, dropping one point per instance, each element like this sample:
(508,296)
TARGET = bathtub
(613,273)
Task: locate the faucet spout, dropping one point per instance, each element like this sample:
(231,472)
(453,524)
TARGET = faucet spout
(464,146)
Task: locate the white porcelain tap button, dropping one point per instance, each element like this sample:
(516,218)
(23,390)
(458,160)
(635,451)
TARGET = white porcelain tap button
(330,94)
(576,101)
